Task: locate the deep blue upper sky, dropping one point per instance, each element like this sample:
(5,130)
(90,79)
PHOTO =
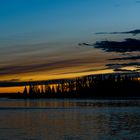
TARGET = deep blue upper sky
(49,30)
(71,18)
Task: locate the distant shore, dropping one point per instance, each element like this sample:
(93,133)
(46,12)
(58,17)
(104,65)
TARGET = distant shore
(113,86)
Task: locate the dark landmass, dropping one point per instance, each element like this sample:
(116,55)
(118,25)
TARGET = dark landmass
(107,86)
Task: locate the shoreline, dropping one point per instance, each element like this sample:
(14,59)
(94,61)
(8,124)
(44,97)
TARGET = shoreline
(21,96)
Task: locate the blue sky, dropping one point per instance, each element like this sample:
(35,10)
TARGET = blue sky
(48,31)
(70,17)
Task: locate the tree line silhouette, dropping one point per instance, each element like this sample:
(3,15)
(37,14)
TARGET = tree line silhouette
(99,86)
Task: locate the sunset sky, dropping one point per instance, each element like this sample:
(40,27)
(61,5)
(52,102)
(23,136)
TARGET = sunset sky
(50,39)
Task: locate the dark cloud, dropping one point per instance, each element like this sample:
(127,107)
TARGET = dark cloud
(123,70)
(115,66)
(128,45)
(118,66)
(85,44)
(126,58)
(133,32)
(10,83)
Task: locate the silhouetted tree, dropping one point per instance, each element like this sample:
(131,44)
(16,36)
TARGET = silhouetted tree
(109,85)
(25,91)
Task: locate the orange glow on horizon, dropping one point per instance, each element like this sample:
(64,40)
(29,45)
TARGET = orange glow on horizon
(49,77)
(11,89)
(44,76)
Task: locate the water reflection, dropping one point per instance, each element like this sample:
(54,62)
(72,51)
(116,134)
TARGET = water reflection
(66,103)
(105,121)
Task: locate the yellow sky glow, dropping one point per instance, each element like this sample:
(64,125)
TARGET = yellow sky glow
(47,77)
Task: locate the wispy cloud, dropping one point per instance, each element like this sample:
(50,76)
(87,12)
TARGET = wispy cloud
(6,70)
(47,67)
(126,58)
(133,32)
(121,65)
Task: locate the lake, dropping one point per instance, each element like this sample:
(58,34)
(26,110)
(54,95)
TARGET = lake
(54,119)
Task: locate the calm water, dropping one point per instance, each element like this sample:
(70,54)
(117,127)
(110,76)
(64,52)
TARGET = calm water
(69,120)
